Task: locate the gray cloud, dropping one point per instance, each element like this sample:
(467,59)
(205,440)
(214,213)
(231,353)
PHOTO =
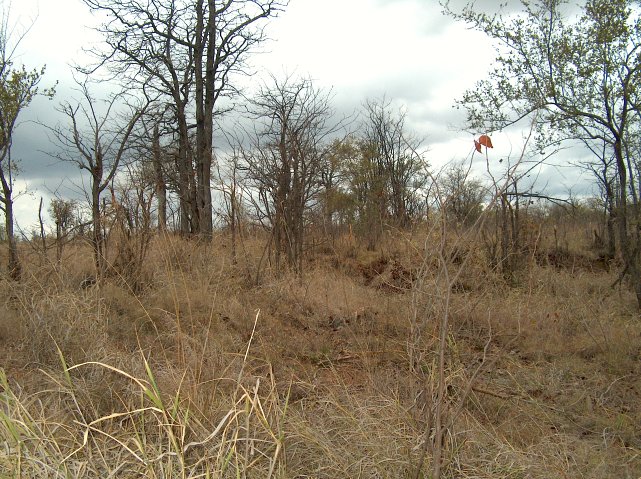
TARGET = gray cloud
(404,49)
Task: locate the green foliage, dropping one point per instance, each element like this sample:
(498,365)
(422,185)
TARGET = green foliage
(576,76)
(63,213)
(18,88)
(579,73)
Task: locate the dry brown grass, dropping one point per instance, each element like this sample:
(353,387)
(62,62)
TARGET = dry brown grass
(206,372)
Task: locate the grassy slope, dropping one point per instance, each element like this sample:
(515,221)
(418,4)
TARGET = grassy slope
(205,371)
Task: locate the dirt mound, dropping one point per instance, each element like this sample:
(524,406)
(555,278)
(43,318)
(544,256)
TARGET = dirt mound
(388,274)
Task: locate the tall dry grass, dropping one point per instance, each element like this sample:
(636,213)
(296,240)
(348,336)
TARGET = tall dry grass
(182,377)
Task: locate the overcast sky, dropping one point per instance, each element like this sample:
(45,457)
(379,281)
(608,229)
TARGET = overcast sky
(403,49)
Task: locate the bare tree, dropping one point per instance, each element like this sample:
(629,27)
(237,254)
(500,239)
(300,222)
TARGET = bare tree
(190,50)
(97,144)
(463,194)
(292,121)
(159,177)
(155,147)
(131,204)
(394,157)
(387,175)
(231,187)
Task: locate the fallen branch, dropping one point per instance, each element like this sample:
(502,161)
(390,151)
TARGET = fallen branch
(477,389)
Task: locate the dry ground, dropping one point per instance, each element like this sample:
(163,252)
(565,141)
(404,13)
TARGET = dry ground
(207,370)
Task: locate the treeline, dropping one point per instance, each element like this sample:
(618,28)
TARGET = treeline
(147,152)
(291,166)
(295,169)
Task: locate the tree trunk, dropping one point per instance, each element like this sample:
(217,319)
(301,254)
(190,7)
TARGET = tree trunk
(232,219)
(205,99)
(629,251)
(610,223)
(97,237)
(58,243)
(43,237)
(184,167)
(200,111)
(15,268)
(161,187)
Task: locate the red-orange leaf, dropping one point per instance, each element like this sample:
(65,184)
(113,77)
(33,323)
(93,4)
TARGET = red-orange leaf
(485,141)
(477,145)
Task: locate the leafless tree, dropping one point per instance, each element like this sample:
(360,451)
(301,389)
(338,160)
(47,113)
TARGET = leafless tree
(132,198)
(159,177)
(394,159)
(387,175)
(231,187)
(463,194)
(155,146)
(292,122)
(190,50)
(97,143)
